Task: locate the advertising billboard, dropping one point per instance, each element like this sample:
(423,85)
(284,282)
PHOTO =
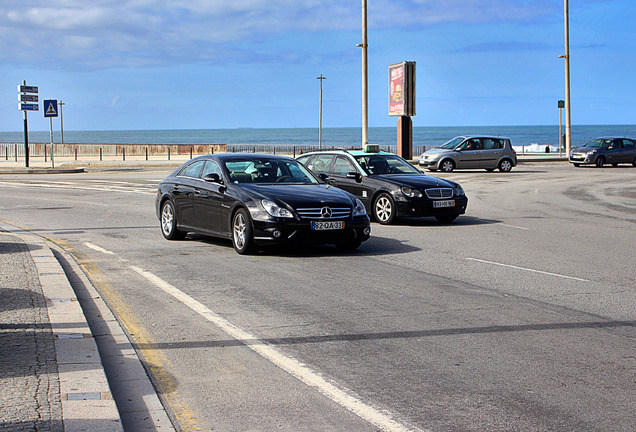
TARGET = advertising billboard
(402,89)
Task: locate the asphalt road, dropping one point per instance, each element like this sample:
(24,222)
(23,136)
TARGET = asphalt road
(520,315)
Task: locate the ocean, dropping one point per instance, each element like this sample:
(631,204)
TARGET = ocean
(528,138)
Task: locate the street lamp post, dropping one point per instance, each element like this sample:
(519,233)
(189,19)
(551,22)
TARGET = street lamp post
(365,78)
(568,123)
(320,124)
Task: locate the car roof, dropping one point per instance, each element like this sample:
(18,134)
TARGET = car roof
(228,156)
(481,136)
(349,152)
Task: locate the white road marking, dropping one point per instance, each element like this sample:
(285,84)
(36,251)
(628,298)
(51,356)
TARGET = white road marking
(110,188)
(514,226)
(342,396)
(98,249)
(527,269)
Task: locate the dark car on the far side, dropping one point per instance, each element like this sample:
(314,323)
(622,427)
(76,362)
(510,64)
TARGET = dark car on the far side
(606,150)
(389,186)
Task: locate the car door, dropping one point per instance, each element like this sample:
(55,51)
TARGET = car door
(342,167)
(210,201)
(491,151)
(183,193)
(468,154)
(629,151)
(614,151)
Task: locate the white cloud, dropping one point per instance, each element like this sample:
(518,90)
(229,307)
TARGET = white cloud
(117,33)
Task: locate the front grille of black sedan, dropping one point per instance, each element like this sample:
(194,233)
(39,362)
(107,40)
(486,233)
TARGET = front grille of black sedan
(439,193)
(319,213)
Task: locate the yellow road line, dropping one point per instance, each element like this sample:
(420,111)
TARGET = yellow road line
(157,363)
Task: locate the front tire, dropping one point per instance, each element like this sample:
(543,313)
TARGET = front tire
(600,161)
(384,210)
(169,222)
(447,165)
(243,233)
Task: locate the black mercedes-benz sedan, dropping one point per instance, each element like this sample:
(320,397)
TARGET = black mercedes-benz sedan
(257,200)
(388,185)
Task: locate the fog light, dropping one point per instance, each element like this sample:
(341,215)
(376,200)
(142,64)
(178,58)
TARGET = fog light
(367,230)
(276,233)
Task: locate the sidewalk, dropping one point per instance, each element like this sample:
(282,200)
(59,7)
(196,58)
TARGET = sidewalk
(52,374)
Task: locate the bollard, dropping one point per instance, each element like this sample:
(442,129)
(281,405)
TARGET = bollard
(100,154)
(294,152)
(168,153)
(123,153)
(146,153)
(15,153)
(190,152)
(75,153)
(44,152)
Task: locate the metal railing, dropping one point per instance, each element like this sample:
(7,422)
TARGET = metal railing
(15,151)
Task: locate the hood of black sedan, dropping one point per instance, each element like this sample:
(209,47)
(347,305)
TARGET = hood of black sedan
(302,195)
(414,180)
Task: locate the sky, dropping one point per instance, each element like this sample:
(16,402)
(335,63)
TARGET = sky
(217,64)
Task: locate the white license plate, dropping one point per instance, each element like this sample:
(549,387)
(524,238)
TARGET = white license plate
(441,204)
(332,225)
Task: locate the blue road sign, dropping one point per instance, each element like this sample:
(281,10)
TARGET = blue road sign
(50,108)
(28,107)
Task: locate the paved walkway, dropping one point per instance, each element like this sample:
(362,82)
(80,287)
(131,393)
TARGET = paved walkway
(66,365)
(51,375)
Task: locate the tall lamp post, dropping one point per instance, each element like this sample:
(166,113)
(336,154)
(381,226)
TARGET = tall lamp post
(320,124)
(365,78)
(568,123)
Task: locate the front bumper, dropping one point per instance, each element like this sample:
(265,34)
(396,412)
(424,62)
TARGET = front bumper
(274,232)
(582,158)
(425,207)
(428,163)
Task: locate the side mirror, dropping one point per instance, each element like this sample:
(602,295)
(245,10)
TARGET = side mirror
(213,178)
(354,175)
(324,177)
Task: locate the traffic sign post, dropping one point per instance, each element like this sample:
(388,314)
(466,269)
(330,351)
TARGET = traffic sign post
(24,107)
(50,111)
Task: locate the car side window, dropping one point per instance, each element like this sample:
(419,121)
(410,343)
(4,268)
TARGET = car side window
(343,166)
(194,169)
(490,144)
(628,144)
(210,167)
(321,164)
(471,144)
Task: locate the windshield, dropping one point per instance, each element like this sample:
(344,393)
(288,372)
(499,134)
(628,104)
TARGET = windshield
(452,143)
(260,170)
(599,143)
(377,164)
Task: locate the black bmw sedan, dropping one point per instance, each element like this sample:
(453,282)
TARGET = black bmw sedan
(257,200)
(389,186)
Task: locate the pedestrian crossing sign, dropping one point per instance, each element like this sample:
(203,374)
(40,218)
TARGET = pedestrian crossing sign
(50,108)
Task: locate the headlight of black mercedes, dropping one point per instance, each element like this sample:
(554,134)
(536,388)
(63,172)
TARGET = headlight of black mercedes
(410,192)
(276,210)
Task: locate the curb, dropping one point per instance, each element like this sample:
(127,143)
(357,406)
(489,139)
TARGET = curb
(87,401)
(103,384)
(41,170)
